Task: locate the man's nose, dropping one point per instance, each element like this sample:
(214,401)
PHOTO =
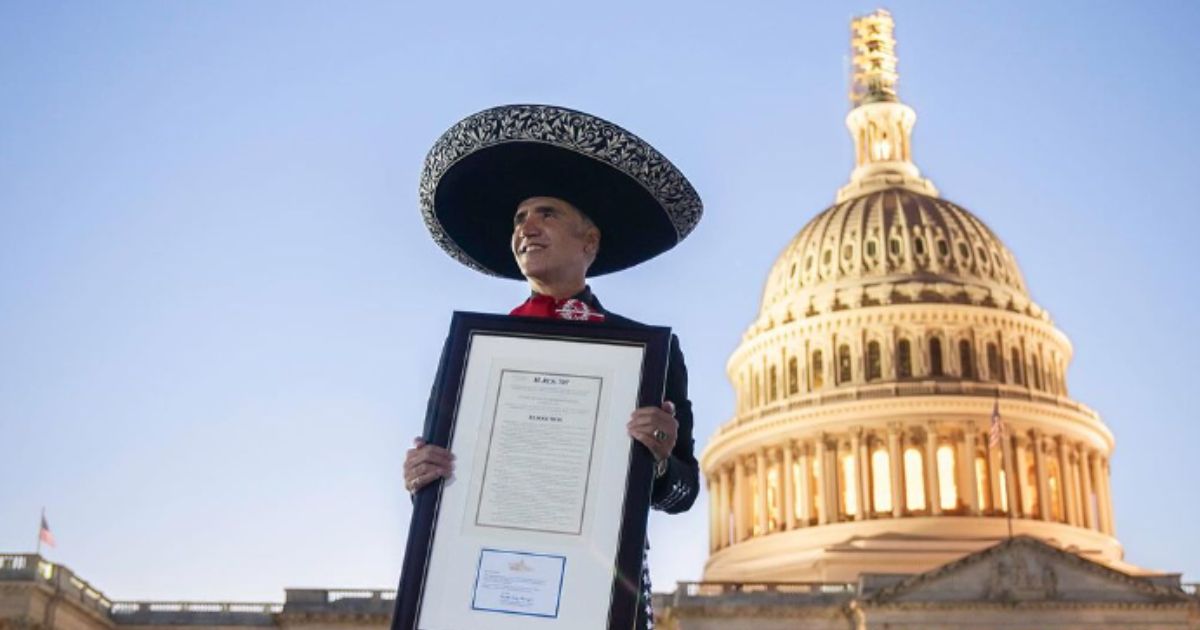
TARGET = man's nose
(530,227)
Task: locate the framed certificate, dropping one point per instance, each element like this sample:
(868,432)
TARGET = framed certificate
(543,523)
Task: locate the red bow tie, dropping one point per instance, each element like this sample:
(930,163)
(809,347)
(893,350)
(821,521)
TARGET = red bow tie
(546,306)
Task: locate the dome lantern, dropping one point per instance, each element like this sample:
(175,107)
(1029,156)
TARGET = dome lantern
(880,125)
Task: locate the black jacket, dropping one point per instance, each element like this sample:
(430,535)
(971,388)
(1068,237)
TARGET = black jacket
(676,490)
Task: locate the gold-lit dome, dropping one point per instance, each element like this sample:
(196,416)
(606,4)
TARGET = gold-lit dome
(899,399)
(894,245)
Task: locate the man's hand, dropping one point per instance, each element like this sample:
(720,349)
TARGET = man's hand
(656,427)
(424,463)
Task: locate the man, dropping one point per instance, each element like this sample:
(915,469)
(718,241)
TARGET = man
(543,163)
(554,244)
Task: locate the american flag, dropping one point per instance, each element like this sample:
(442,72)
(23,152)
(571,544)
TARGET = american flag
(44,534)
(998,430)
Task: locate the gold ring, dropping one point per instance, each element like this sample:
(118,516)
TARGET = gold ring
(660,435)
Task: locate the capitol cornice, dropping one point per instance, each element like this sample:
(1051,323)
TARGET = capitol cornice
(762,337)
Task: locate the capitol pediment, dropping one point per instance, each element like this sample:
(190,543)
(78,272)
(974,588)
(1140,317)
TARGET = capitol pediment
(1025,570)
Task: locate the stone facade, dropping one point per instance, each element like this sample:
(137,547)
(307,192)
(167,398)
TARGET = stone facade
(39,595)
(1020,583)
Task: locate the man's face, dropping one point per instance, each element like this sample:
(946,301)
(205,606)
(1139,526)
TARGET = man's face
(553,241)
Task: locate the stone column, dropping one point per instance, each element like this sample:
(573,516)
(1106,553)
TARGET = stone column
(1077,471)
(1102,499)
(995,459)
(1089,506)
(825,501)
(1108,504)
(804,486)
(1066,487)
(713,534)
(725,490)
(789,487)
(932,489)
(739,499)
(1039,466)
(760,482)
(856,451)
(896,462)
(971,492)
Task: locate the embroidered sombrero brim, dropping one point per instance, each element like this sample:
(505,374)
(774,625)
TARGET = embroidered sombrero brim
(484,166)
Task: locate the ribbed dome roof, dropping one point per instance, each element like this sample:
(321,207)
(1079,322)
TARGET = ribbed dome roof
(894,245)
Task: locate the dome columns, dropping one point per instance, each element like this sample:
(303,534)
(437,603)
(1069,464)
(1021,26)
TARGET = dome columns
(904,469)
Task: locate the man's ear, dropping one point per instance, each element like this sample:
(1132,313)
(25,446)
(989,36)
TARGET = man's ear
(592,240)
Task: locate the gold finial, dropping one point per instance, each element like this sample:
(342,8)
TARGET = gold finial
(874,46)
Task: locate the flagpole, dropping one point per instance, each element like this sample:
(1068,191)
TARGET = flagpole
(998,432)
(39,542)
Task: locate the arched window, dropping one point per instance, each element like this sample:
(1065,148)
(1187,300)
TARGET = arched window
(995,365)
(903,359)
(935,357)
(843,364)
(874,363)
(914,479)
(793,376)
(965,360)
(755,381)
(773,499)
(773,383)
(818,370)
(1035,368)
(947,484)
(881,480)
(846,483)
(1003,502)
(1054,482)
(983,489)
(1018,373)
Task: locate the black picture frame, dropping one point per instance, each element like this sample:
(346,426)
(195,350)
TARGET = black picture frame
(441,424)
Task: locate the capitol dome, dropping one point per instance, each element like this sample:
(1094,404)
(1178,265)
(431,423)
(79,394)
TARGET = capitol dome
(900,399)
(894,245)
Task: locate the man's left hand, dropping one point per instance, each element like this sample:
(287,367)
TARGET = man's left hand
(656,427)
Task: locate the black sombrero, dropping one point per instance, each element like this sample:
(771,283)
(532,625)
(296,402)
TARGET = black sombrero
(483,167)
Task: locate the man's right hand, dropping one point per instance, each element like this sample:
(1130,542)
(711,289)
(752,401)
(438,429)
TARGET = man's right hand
(424,463)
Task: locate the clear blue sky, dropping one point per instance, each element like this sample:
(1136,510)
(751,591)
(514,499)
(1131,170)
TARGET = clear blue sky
(220,312)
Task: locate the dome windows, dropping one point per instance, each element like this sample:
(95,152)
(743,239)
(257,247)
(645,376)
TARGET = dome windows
(844,365)
(904,359)
(827,257)
(935,356)
(1018,376)
(995,364)
(943,248)
(919,246)
(874,362)
(964,252)
(818,370)
(847,252)
(966,361)
(894,246)
(872,248)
